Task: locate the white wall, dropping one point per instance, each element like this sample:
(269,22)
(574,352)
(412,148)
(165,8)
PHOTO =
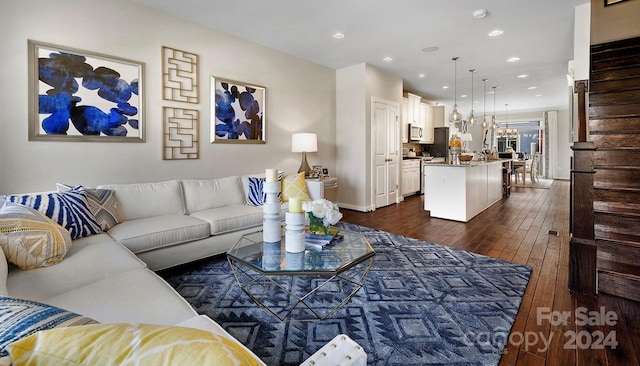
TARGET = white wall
(356,85)
(300,97)
(351,168)
(614,22)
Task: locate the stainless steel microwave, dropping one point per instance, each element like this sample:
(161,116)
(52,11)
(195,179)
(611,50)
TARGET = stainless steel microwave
(415,132)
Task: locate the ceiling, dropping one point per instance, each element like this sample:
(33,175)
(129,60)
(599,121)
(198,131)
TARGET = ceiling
(539,32)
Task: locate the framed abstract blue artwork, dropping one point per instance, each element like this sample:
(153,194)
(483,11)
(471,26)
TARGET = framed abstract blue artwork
(237,112)
(78,95)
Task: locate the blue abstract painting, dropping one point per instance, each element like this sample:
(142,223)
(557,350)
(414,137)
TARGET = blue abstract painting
(237,110)
(84,95)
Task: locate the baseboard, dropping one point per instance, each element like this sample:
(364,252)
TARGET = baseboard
(354,207)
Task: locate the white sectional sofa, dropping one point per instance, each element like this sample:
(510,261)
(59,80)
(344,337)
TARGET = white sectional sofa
(174,222)
(109,276)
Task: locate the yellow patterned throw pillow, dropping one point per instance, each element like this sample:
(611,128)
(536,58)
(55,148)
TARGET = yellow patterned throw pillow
(128,344)
(29,239)
(294,185)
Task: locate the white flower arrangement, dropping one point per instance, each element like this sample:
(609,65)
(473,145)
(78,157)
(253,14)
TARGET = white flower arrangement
(323,209)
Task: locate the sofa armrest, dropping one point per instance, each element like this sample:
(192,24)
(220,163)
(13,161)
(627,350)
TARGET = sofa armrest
(315,189)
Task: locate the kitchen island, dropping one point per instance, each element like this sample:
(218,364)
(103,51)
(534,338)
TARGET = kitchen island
(460,192)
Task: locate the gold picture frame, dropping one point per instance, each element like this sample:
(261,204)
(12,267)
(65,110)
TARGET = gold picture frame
(77,95)
(237,112)
(612,2)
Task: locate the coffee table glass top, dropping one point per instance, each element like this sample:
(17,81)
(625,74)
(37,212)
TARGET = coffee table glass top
(272,258)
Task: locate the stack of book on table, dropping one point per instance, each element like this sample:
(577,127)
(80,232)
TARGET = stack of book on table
(319,241)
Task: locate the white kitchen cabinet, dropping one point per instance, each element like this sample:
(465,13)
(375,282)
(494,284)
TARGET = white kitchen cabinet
(426,115)
(414,107)
(412,115)
(439,116)
(410,177)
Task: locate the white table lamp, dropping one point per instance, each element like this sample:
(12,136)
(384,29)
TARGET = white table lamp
(304,143)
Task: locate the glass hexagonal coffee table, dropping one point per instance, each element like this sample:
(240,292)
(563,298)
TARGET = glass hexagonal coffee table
(310,285)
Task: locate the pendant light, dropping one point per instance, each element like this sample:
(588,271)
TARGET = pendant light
(494,124)
(508,132)
(455,116)
(472,117)
(514,132)
(484,108)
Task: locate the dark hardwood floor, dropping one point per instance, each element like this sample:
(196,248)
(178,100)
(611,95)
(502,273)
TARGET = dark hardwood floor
(520,229)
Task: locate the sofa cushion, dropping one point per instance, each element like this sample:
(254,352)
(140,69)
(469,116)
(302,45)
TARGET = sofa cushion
(4,272)
(69,209)
(156,232)
(202,194)
(140,200)
(29,239)
(20,318)
(102,203)
(88,260)
(129,344)
(135,296)
(231,218)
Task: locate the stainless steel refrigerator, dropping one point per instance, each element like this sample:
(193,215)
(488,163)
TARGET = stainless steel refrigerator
(440,146)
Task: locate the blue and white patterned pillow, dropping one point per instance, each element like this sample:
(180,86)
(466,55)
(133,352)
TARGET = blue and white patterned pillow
(69,209)
(256,195)
(102,203)
(20,318)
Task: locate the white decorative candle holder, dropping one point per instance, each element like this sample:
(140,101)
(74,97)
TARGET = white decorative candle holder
(294,236)
(271,230)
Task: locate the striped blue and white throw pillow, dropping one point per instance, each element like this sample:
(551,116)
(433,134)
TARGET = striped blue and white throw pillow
(20,318)
(69,209)
(256,195)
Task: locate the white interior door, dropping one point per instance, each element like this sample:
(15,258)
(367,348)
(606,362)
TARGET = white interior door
(385,141)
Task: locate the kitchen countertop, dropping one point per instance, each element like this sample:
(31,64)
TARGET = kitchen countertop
(472,163)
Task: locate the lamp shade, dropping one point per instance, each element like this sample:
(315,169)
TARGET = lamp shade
(304,142)
(466,137)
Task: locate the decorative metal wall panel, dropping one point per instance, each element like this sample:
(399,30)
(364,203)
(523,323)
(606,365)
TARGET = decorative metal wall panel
(179,75)
(180,139)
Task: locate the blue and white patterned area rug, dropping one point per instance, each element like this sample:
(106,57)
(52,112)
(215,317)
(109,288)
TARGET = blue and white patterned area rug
(422,304)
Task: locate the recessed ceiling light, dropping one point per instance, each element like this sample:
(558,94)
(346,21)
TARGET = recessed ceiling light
(463,96)
(479,14)
(445,87)
(496,32)
(421,75)
(387,59)
(532,87)
(538,95)
(338,35)
(513,59)
(430,49)
(523,76)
